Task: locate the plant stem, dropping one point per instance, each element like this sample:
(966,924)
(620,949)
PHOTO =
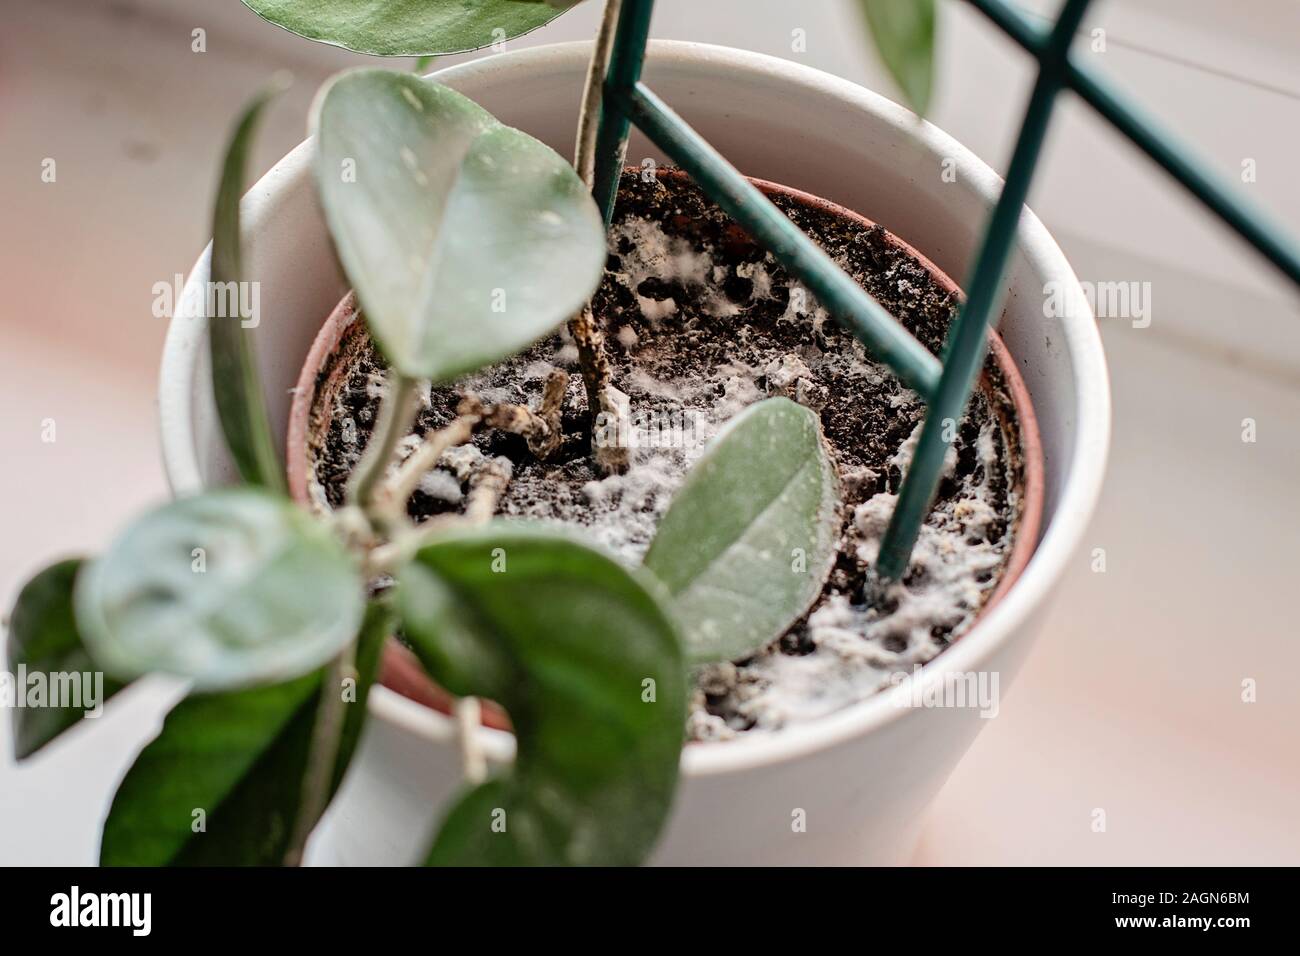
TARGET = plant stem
(584,159)
(488,487)
(402,485)
(395,416)
(588,336)
(323,754)
(541,429)
(483,499)
(468,718)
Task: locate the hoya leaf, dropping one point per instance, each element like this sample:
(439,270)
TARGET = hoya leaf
(44,645)
(590,669)
(903,34)
(235,385)
(449,639)
(750,536)
(465,240)
(229,589)
(406,27)
(221,784)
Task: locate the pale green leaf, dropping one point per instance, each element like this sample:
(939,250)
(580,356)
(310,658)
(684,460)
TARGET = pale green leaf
(750,536)
(229,589)
(406,27)
(903,34)
(236,388)
(465,240)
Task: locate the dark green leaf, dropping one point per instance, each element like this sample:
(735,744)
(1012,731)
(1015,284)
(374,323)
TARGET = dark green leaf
(229,589)
(240,759)
(465,240)
(449,639)
(750,536)
(406,27)
(43,639)
(903,33)
(235,384)
(590,670)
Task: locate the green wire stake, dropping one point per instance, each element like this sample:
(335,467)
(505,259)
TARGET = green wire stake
(947,387)
(965,349)
(624,72)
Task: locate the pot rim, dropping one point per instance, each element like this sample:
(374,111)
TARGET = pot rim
(1090,414)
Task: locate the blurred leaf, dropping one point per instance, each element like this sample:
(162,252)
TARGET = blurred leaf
(751,534)
(448,638)
(229,589)
(557,4)
(405,27)
(43,639)
(466,240)
(903,33)
(236,387)
(590,670)
(239,758)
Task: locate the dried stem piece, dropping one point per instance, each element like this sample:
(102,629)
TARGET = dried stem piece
(425,457)
(487,485)
(552,410)
(473,760)
(590,339)
(540,429)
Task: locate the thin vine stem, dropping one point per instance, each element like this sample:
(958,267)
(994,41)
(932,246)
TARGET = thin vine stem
(395,416)
(584,151)
(587,335)
(468,713)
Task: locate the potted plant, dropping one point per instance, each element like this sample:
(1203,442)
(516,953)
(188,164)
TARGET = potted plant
(587,653)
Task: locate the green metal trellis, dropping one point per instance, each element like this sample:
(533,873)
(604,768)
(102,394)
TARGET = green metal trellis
(945,387)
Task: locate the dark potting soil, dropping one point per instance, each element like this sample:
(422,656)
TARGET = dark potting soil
(699,323)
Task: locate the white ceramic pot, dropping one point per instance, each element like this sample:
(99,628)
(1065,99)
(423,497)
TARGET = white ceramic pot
(863,776)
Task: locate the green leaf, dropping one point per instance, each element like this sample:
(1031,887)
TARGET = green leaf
(465,240)
(229,589)
(235,384)
(751,535)
(903,33)
(449,639)
(405,27)
(588,666)
(43,639)
(240,759)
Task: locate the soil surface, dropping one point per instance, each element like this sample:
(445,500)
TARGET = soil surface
(700,322)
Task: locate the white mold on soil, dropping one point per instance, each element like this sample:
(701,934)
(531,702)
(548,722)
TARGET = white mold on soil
(666,301)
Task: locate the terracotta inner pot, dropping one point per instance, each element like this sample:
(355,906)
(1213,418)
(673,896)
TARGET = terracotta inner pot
(399,669)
